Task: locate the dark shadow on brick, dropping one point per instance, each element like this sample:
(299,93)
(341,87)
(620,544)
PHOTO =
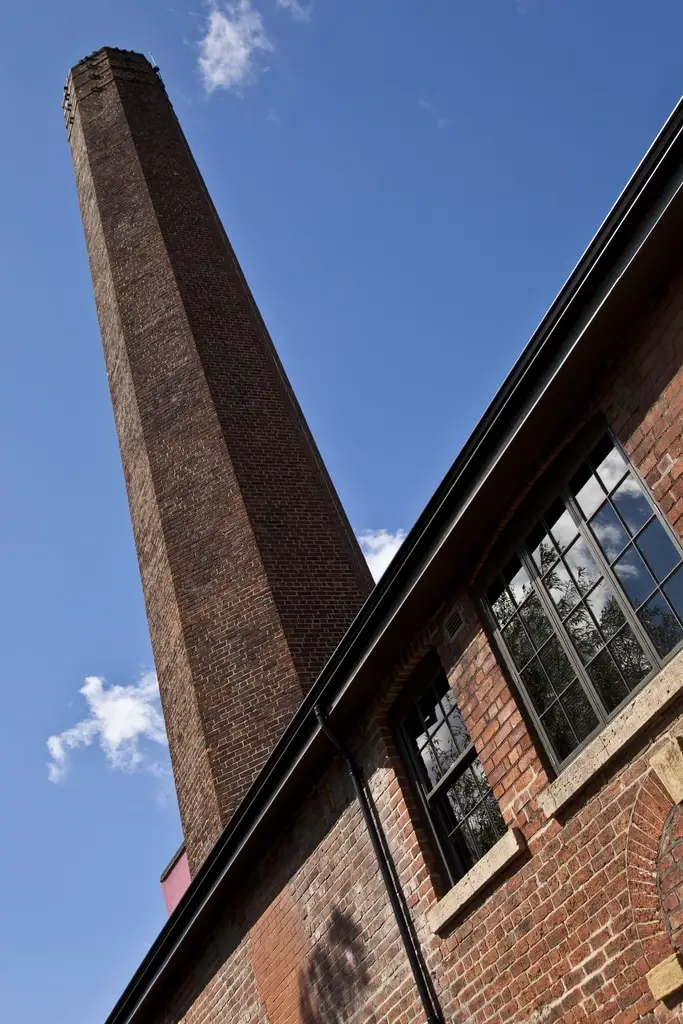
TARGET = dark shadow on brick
(334,977)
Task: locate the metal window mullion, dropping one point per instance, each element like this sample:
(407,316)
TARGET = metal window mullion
(564,640)
(516,674)
(462,762)
(434,825)
(658,515)
(623,602)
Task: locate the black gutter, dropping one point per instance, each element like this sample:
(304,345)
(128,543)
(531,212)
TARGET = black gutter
(645,189)
(389,874)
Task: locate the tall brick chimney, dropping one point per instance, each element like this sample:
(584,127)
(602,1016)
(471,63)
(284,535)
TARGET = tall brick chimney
(251,573)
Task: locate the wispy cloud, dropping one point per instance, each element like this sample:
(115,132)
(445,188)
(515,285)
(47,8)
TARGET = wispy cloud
(120,719)
(299,11)
(228,52)
(379,547)
(433,109)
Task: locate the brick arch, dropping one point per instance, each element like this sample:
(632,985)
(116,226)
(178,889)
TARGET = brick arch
(648,817)
(670,875)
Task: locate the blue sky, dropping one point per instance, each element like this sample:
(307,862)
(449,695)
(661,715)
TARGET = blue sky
(407,184)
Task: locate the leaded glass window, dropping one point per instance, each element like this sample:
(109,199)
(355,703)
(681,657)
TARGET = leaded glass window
(591,604)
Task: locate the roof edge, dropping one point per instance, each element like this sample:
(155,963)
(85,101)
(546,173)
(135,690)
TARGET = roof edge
(303,728)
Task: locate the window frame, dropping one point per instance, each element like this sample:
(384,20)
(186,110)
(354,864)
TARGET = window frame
(561,490)
(451,863)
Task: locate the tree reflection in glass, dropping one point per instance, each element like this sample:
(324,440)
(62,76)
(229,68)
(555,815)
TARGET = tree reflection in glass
(606,506)
(561,588)
(661,623)
(582,565)
(476,816)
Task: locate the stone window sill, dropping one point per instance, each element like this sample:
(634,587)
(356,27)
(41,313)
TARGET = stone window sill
(507,849)
(635,717)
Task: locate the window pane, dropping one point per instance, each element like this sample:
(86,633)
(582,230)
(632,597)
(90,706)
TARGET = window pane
(587,490)
(607,680)
(609,532)
(537,686)
(556,664)
(536,621)
(660,554)
(447,698)
(579,711)
(674,591)
(584,634)
(480,775)
(466,793)
(457,725)
(561,525)
(494,813)
(430,764)
(559,731)
(582,565)
(517,580)
(617,550)
(633,506)
(430,709)
(542,549)
(518,643)
(444,747)
(415,729)
(481,830)
(466,837)
(634,576)
(501,603)
(606,610)
(630,657)
(609,463)
(561,588)
(661,623)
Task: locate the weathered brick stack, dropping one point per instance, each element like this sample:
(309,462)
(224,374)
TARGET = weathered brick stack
(250,570)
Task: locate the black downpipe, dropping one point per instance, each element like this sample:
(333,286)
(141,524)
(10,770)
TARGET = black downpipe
(389,877)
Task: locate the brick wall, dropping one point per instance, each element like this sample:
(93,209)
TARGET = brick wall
(569,933)
(250,571)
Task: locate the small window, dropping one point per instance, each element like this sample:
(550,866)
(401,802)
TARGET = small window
(462,812)
(591,604)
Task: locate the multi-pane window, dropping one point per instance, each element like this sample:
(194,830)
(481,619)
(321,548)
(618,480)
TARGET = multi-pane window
(592,603)
(462,811)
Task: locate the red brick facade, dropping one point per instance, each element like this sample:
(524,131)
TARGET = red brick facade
(250,570)
(570,932)
(567,932)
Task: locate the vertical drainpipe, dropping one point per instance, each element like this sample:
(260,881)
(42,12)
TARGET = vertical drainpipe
(389,875)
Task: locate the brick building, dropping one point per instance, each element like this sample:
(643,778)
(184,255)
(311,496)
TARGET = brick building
(453,797)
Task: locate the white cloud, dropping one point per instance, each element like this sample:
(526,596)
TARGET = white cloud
(379,547)
(119,718)
(433,108)
(234,35)
(298,11)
